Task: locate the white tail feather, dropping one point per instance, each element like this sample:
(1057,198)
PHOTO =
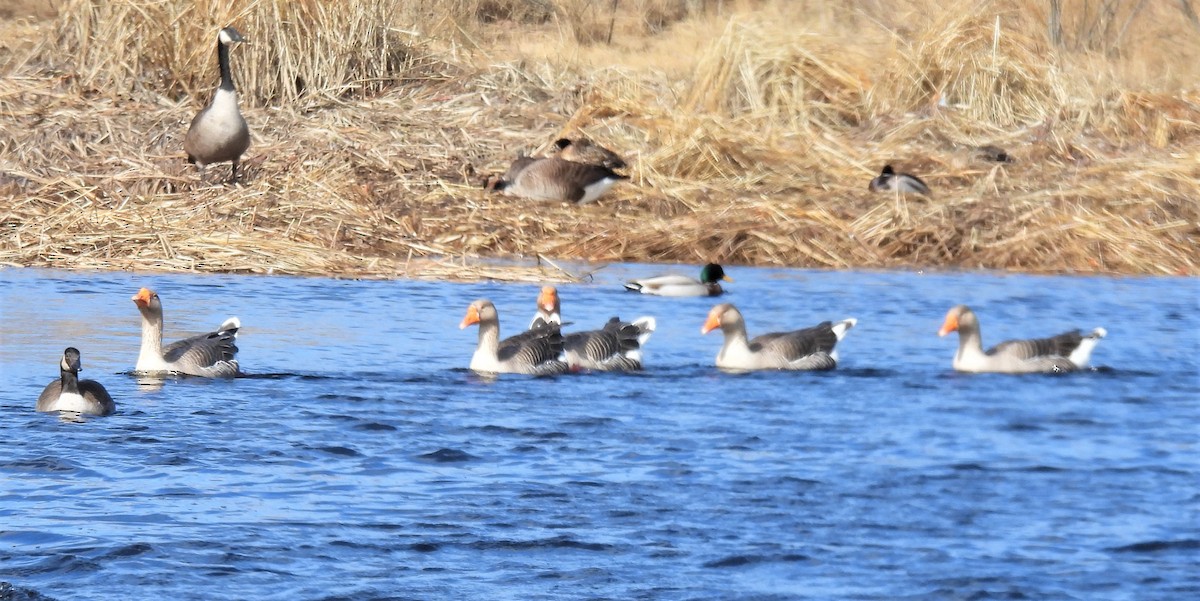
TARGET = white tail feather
(840,328)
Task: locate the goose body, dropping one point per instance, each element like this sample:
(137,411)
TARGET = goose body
(1064,352)
(583,150)
(211,355)
(615,347)
(219,133)
(903,183)
(556,179)
(807,349)
(536,352)
(709,283)
(69,393)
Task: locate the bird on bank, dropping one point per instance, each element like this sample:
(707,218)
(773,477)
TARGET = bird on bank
(807,349)
(536,352)
(555,179)
(69,393)
(904,183)
(211,355)
(1065,352)
(615,347)
(219,133)
(709,283)
(584,150)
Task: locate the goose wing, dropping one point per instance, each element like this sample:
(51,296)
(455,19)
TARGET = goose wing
(532,350)
(1061,345)
(211,354)
(95,393)
(1064,352)
(809,348)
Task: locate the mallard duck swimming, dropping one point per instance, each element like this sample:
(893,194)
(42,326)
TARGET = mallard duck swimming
(807,349)
(69,393)
(1065,352)
(681,285)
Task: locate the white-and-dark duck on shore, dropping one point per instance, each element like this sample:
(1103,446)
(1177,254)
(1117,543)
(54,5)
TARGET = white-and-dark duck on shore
(904,183)
(219,133)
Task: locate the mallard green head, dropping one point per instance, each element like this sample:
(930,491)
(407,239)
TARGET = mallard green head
(712,273)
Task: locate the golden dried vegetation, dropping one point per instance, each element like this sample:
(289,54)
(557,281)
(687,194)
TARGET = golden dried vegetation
(753,127)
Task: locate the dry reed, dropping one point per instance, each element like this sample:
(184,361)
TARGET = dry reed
(367,154)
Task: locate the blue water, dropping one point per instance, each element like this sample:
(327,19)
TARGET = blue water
(359,460)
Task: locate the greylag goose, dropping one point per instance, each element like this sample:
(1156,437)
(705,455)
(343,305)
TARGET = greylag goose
(583,150)
(807,349)
(904,183)
(211,355)
(219,132)
(709,283)
(615,347)
(69,393)
(555,179)
(537,352)
(1065,352)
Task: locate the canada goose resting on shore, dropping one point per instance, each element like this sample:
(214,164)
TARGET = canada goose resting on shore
(69,393)
(583,150)
(807,349)
(615,347)
(904,183)
(709,283)
(1065,352)
(219,132)
(555,179)
(211,355)
(536,352)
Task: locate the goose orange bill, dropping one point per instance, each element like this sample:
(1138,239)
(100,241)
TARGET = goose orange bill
(142,298)
(471,318)
(950,325)
(713,322)
(548,298)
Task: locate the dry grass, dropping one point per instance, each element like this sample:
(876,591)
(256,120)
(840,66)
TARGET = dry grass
(753,126)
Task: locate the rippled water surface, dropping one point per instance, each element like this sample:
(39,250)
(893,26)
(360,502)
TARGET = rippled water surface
(359,459)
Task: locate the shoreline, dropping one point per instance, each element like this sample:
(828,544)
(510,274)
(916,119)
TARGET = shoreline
(388,183)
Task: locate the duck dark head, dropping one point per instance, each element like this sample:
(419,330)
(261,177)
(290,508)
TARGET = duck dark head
(70,360)
(713,273)
(229,36)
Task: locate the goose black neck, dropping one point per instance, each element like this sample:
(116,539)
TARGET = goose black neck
(70,382)
(223,60)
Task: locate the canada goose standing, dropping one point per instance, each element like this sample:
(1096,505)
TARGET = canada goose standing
(904,183)
(807,349)
(583,150)
(536,352)
(219,132)
(615,347)
(555,179)
(211,355)
(1065,352)
(69,393)
(709,283)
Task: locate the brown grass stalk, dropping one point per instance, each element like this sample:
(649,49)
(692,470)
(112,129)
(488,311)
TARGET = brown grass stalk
(752,127)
